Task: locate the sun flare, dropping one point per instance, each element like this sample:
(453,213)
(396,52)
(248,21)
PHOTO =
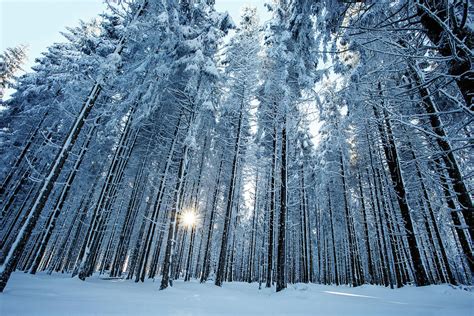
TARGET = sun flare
(189,218)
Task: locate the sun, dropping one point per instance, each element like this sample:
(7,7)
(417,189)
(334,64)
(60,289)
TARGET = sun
(189,218)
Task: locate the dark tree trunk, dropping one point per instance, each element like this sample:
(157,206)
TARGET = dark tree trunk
(366,231)
(60,202)
(452,168)
(433,14)
(272,213)
(173,226)
(207,250)
(334,257)
(230,204)
(281,258)
(391,155)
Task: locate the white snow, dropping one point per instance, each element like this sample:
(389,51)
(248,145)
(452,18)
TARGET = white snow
(60,295)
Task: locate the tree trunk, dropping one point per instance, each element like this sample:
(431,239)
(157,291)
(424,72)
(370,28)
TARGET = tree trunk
(452,168)
(454,39)
(230,204)
(393,163)
(281,258)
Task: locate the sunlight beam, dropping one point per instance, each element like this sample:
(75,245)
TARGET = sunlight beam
(189,218)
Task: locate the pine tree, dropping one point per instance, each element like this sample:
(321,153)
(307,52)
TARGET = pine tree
(11,61)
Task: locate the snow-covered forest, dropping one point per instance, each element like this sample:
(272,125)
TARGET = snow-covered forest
(165,143)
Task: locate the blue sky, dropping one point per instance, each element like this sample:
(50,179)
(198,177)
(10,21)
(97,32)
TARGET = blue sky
(38,23)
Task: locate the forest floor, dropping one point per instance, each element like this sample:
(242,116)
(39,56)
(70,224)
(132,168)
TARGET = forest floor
(60,295)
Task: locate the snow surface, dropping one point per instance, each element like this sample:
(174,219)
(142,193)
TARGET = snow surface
(60,295)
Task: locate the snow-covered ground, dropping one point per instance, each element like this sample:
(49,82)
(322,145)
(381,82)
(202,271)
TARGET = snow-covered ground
(61,295)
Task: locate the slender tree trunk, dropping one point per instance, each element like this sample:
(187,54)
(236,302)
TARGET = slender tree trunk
(281,258)
(230,203)
(334,259)
(272,212)
(150,233)
(353,253)
(393,163)
(173,223)
(210,228)
(60,202)
(430,210)
(250,263)
(190,254)
(366,231)
(452,168)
